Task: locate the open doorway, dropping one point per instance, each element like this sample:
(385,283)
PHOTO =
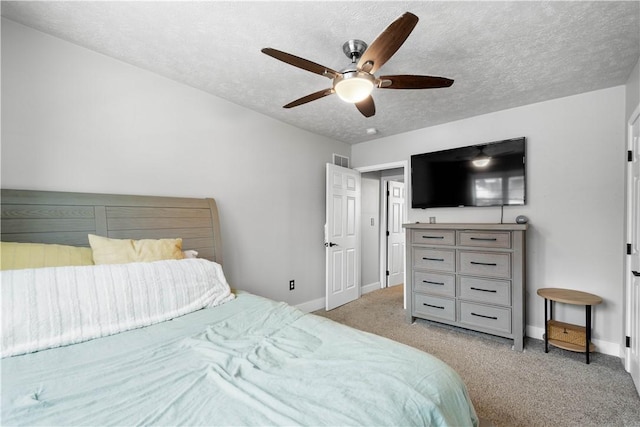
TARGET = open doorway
(383,211)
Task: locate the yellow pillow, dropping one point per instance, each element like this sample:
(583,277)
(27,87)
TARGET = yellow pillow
(17,256)
(122,251)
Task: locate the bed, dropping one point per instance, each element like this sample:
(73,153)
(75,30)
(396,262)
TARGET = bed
(180,353)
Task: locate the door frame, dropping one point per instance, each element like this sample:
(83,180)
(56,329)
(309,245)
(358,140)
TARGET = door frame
(404,165)
(628,279)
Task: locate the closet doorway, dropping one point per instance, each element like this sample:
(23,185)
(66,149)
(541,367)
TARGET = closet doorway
(383,214)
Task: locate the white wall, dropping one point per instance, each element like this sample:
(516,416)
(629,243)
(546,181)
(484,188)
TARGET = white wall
(575,196)
(75,120)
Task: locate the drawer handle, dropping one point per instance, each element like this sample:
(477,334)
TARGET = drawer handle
(432,259)
(484,290)
(486,317)
(433,306)
(433,283)
(433,237)
(492,264)
(485,239)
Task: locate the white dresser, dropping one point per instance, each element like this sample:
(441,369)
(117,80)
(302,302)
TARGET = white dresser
(468,275)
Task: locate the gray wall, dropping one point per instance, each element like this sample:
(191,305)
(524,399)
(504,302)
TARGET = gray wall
(75,120)
(575,195)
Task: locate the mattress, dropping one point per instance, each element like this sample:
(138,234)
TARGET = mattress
(249,361)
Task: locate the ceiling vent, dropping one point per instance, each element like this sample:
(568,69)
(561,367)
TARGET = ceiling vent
(339,160)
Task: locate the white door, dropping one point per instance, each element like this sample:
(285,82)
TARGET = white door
(395,233)
(342,239)
(633,258)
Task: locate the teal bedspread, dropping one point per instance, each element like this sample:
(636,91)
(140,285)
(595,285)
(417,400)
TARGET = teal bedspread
(251,361)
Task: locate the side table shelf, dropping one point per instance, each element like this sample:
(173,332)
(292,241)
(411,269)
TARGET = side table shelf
(566,335)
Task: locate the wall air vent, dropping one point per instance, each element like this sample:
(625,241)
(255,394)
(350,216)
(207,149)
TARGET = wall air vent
(339,160)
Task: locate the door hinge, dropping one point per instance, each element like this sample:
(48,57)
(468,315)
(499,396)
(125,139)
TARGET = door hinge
(387,272)
(628,342)
(387,233)
(629,249)
(629,156)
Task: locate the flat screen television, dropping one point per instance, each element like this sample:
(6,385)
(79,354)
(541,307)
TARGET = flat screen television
(491,174)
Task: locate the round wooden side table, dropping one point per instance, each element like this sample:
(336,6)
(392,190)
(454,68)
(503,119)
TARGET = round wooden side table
(566,335)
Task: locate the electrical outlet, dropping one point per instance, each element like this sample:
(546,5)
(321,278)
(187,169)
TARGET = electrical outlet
(292,285)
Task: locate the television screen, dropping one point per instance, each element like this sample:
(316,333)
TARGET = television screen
(491,174)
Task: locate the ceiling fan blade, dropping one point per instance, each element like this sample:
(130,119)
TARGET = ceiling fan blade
(387,43)
(312,97)
(413,82)
(296,61)
(367,107)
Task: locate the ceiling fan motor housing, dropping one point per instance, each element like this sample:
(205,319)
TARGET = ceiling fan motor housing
(354,49)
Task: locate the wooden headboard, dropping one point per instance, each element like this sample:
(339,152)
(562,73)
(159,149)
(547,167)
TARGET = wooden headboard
(67,218)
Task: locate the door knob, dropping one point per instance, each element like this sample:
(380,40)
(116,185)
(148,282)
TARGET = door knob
(330,244)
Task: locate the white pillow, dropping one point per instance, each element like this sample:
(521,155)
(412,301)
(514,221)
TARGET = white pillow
(189,254)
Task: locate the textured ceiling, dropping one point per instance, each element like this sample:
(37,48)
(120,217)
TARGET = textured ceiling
(500,54)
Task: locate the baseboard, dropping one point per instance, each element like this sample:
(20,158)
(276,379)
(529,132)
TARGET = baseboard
(604,347)
(370,287)
(310,306)
(318,304)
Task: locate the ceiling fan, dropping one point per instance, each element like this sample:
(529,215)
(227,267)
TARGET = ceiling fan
(355,83)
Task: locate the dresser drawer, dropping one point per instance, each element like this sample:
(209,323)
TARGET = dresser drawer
(434,259)
(435,283)
(485,290)
(495,318)
(434,237)
(485,239)
(444,308)
(488,264)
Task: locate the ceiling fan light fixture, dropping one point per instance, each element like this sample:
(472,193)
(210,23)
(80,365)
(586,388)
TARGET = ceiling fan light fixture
(354,86)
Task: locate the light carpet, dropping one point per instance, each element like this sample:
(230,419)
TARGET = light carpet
(508,388)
